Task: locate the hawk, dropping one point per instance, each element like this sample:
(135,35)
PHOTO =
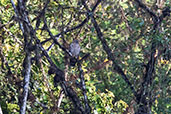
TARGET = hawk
(74,49)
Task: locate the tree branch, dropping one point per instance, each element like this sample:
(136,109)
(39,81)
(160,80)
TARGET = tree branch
(147,80)
(27,61)
(83,87)
(74,28)
(108,50)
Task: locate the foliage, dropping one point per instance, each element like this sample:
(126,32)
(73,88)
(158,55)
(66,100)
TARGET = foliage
(128,31)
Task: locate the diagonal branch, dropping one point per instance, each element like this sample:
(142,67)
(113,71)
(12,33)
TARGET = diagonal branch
(73,28)
(157,20)
(108,50)
(143,6)
(147,80)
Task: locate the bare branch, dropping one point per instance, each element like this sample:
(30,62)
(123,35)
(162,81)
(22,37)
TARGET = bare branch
(27,69)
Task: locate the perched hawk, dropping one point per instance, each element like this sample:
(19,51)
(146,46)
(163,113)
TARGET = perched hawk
(74,48)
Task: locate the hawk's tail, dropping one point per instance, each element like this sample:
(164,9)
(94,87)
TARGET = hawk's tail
(73,61)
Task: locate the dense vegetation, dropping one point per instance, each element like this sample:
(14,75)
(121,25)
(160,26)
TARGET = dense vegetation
(123,66)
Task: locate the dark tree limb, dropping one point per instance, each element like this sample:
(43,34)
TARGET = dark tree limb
(147,80)
(157,21)
(116,67)
(59,73)
(143,6)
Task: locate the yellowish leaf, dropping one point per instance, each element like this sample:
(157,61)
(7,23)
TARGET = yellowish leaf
(106,60)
